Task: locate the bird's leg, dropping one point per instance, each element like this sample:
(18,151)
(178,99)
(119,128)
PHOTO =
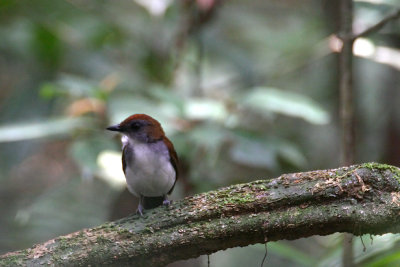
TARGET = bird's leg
(166,202)
(140,208)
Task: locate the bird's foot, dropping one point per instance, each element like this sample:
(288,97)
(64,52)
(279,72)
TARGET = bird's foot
(166,202)
(140,210)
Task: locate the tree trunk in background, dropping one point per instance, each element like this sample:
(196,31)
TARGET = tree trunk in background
(347,106)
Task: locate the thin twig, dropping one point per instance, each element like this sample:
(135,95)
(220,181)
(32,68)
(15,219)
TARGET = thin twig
(362,242)
(265,255)
(378,25)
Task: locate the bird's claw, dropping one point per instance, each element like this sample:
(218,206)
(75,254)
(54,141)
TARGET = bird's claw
(166,202)
(140,210)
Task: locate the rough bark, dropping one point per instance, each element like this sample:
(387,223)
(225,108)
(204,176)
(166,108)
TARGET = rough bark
(359,199)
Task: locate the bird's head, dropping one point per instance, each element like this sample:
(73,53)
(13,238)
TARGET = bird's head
(139,128)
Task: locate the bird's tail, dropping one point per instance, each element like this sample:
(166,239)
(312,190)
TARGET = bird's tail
(152,202)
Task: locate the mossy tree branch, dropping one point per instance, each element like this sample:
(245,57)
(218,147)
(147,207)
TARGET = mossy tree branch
(359,199)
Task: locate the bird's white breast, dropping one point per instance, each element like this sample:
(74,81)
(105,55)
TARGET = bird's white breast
(149,171)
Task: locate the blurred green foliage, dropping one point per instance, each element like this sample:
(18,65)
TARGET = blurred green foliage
(245,90)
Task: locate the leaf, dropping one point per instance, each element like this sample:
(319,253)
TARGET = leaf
(392,259)
(110,168)
(46,45)
(33,130)
(263,151)
(379,245)
(208,135)
(291,104)
(203,109)
(77,86)
(290,252)
(86,151)
(291,154)
(155,7)
(167,95)
(254,152)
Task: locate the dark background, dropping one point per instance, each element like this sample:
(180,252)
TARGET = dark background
(245,90)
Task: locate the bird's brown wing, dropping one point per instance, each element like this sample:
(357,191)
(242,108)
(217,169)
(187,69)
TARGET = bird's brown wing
(127,156)
(124,159)
(174,160)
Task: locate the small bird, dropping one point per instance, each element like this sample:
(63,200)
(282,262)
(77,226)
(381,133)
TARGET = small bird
(149,160)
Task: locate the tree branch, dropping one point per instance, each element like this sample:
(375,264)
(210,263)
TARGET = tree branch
(378,25)
(359,199)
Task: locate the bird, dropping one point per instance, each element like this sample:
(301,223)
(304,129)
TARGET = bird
(149,160)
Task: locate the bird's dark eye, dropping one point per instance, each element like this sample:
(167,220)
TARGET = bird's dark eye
(135,125)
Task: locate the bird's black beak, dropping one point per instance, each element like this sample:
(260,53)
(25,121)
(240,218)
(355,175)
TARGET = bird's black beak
(115,128)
